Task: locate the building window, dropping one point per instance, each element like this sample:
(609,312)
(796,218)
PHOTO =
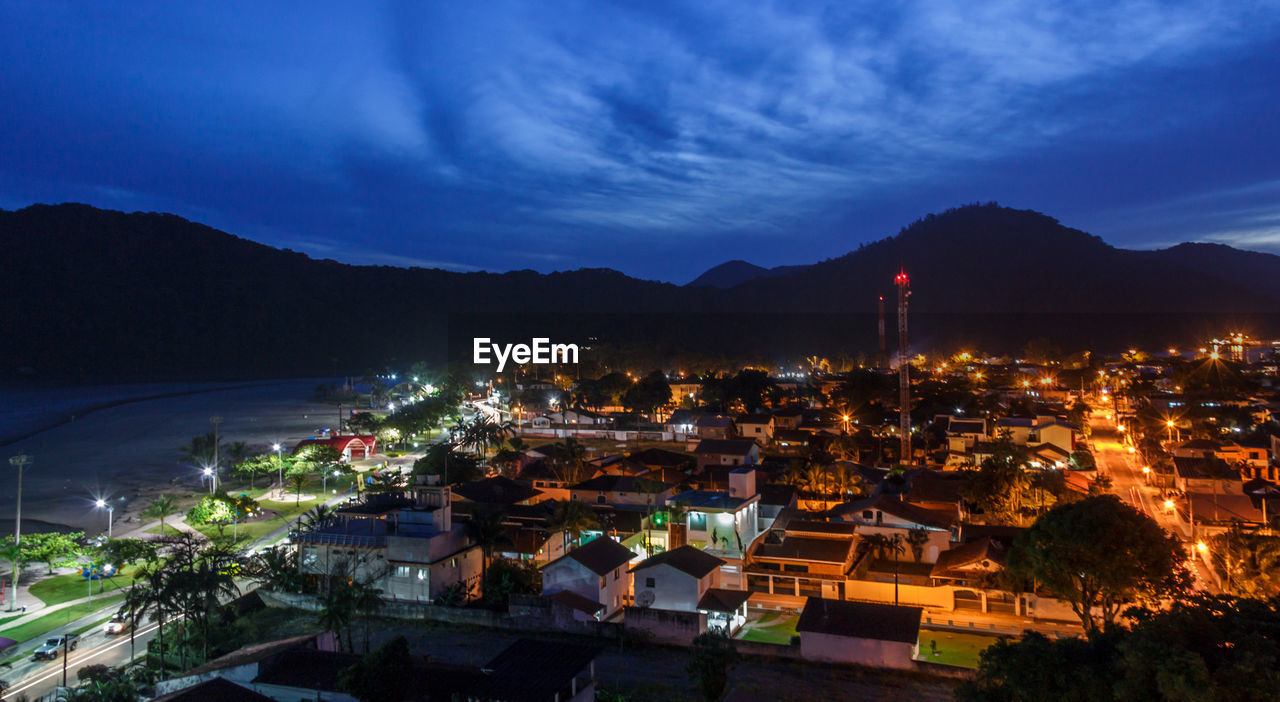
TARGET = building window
(697,521)
(648,582)
(866,514)
(422,574)
(601,582)
(401,571)
(453,563)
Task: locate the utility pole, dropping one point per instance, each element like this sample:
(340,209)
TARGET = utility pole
(882,361)
(20,461)
(216,421)
(904,373)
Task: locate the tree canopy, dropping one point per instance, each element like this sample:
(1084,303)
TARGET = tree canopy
(1100,555)
(1206,648)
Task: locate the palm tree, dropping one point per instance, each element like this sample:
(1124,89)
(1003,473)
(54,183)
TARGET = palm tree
(298,480)
(572,517)
(567,460)
(276,568)
(317,516)
(1250,562)
(487,531)
(335,616)
(649,488)
(367,600)
(160,507)
(916,539)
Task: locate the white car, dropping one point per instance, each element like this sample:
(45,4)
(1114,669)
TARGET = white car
(118,624)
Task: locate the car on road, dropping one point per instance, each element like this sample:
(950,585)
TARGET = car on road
(118,624)
(53,647)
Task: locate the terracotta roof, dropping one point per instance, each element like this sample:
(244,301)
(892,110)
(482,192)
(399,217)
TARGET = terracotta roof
(914,513)
(573,600)
(600,556)
(214,690)
(813,526)
(255,653)
(615,483)
(661,457)
(685,559)
(721,600)
(976,551)
(805,548)
(729,447)
(497,490)
(308,669)
(532,670)
(862,620)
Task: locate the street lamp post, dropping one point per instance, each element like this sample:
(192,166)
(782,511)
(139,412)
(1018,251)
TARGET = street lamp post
(216,457)
(213,478)
(279,469)
(111,510)
(20,461)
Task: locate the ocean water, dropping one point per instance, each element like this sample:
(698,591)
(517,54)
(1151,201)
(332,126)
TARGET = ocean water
(128,437)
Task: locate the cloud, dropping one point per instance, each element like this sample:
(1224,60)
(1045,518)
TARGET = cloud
(566,133)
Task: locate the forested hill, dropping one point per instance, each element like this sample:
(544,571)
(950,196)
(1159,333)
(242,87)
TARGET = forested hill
(101,293)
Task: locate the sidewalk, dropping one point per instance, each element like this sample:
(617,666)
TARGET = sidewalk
(38,609)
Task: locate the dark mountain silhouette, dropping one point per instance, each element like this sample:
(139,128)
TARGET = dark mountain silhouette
(93,292)
(728,274)
(733,273)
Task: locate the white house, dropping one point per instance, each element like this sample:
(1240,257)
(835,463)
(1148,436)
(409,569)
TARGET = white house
(863,633)
(596,572)
(687,579)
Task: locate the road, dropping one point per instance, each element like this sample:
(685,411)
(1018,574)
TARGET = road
(1127,480)
(1129,484)
(35,679)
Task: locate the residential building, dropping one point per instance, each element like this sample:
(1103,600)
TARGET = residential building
(727,452)
(412,553)
(597,571)
(757,427)
(802,558)
(861,633)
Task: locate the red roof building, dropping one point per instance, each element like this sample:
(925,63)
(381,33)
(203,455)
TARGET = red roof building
(349,447)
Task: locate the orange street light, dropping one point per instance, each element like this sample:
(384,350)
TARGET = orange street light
(1168,504)
(1201,547)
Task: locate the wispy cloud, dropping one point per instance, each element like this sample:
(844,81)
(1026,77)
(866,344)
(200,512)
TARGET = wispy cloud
(563,134)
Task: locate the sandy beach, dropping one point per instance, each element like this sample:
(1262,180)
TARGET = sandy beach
(129,452)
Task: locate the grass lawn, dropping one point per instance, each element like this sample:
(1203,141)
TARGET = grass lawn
(248,531)
(61,588)
(773,628)
(288,511)
(43,625)
(954,647)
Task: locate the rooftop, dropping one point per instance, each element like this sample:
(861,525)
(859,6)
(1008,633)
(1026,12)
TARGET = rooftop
(600,556)
(533,671)
(707,499)
(725,447)
(863,620)
(685,559)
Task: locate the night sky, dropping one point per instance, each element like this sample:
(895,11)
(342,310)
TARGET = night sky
(655,138)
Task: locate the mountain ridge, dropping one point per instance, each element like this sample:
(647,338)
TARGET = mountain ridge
(149,294)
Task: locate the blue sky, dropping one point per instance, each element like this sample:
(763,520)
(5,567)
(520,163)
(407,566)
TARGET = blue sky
(655,138)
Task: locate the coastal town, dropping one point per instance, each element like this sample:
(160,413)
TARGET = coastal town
(728,521)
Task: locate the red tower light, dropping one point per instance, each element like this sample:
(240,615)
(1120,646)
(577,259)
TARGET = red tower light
(901,278)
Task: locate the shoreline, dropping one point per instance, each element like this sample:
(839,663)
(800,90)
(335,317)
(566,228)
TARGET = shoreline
(128,449)
(88,409)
